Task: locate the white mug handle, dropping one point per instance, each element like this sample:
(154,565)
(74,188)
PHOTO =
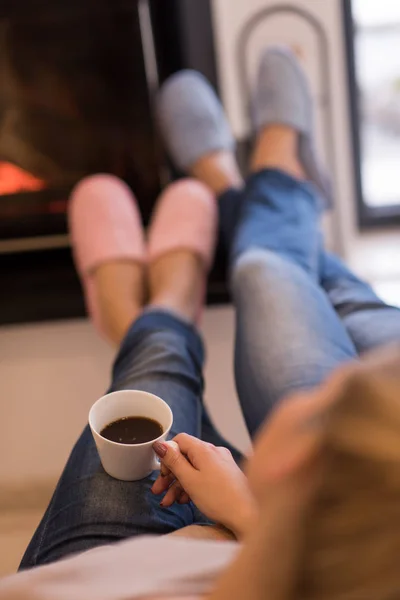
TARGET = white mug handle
(156,463)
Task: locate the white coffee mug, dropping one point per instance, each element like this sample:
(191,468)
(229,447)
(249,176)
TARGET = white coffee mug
(128,462)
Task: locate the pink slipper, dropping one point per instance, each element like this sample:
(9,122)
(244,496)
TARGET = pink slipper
(105,225)
(185,217)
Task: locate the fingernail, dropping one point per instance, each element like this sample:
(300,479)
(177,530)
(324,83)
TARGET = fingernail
(160,449)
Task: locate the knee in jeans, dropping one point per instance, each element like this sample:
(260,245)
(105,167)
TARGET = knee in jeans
(253,266)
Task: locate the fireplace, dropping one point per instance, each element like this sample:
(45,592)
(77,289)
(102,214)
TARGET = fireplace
(78,83)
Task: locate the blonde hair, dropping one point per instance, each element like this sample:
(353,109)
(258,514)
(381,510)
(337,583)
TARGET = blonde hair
(352,538)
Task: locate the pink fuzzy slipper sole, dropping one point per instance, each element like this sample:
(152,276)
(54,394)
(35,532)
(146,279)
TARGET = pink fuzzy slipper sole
(185,217)
(105,226)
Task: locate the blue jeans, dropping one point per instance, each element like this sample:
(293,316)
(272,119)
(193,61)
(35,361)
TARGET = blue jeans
(161,355)
(300,314)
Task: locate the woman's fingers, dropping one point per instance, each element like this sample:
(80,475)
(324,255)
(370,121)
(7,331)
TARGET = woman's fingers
(191,447)
(173,495)
(164,471)
(162,483)
(184,499)
(172,458)
(174,465)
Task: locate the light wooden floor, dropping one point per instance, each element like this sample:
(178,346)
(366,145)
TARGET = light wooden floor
(16,530)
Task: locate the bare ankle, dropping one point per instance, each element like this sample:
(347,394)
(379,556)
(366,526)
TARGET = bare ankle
(120,292)
(277,148)
(177,283)
(219,171)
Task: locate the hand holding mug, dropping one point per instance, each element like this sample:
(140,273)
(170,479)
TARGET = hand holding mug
(196,470)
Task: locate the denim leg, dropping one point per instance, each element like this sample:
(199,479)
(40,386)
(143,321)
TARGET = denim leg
(369,321)
(276,213)
(161,355)
(288,336)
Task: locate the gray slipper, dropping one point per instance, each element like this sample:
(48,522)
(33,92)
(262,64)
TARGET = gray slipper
(192,119)
(283,96)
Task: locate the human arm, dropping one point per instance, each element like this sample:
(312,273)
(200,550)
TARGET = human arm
(211,533)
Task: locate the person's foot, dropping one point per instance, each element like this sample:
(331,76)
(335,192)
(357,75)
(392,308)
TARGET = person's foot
(196,131)
(181,245)
(109,250)
(283,114)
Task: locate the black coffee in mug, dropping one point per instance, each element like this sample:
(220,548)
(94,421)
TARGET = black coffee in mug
(132,430)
